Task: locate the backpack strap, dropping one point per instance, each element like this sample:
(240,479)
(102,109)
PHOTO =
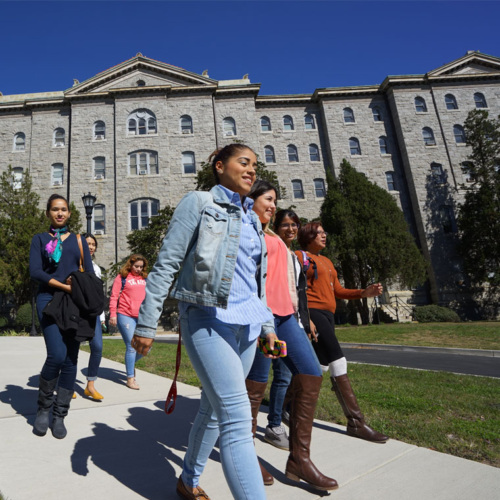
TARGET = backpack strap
(307,263)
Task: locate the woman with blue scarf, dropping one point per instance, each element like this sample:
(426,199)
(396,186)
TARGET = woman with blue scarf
(54,255)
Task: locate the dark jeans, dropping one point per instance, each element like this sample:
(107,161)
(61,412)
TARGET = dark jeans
(95,352)
(62,351)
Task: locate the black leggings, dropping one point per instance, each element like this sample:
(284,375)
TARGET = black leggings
(327,348)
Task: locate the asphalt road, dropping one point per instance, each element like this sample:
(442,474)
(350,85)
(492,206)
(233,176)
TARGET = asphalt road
(486,366)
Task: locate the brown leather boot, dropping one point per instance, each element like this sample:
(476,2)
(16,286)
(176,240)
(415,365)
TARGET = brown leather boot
(305,392)
(256,392)
(356,425)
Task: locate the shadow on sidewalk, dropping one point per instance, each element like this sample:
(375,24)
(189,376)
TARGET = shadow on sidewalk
(141,459)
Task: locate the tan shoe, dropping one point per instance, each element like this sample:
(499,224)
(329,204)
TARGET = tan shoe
(132,384)
(183,492)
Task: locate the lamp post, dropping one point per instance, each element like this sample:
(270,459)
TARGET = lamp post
(89,202)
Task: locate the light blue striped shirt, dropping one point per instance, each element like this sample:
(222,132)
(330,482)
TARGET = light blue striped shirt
(244,305)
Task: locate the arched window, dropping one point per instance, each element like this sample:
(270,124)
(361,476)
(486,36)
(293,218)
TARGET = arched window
(382,142)
(447,219)
(459,133)
(348,115)
(99,168)
(420,106)
(468,171)
(354,146)
(319,188)
(450,101)
(229,127)
(288,123)
(298,190)
(391,185)
(188,163)
(99,219)
(293,155)
(141,122)
(269,154)
(314,152)
(186,124)
(57,174)
(377,115)
(141,211)
(17,177)
(99,130)
(265,124)
(309,122)
(19,142)
(59,138)
(480,100)
(437,173)
(428,136)
(143,162)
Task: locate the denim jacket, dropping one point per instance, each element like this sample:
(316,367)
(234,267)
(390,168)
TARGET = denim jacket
(202,242)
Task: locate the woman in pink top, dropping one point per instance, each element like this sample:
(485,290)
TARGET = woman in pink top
(300,360)
(127,294)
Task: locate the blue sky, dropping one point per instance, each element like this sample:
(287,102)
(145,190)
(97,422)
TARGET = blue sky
(287,46)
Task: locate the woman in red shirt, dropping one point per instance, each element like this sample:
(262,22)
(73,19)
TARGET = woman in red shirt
(323,287)
(127,294)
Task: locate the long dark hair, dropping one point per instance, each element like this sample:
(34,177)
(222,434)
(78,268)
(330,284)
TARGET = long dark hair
(259,188)
(55,197)
(281,214)
(90,235)
(224,154)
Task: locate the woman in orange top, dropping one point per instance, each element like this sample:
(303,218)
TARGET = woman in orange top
(323,287)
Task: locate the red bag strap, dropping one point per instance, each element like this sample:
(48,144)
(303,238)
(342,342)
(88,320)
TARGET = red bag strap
(172,393)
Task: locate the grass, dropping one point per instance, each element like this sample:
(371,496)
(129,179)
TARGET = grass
(469,335)
(454,414)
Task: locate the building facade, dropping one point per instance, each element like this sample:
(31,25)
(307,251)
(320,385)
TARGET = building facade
(136,134)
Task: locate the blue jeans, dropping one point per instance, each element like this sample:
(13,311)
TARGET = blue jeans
(95,352)
(222,355)
(126,325)
(62,350)
(300,358)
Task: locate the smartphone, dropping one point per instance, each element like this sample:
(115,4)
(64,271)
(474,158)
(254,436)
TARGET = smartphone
(279,347)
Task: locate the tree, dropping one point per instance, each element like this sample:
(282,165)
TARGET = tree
(369,229)
(148,241)
(479,215)
(20,219)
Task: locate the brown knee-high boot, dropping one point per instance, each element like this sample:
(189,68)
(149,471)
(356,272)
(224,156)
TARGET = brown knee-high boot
(305,392)
(256,392)
(356,425)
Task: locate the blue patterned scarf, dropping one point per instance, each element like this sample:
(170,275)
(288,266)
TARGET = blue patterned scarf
(54,247)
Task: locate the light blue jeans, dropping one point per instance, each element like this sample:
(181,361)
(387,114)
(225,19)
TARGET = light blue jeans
(222,356)
(126,325)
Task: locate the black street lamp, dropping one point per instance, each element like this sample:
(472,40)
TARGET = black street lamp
(89,202)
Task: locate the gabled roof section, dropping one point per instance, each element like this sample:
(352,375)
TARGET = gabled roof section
(128,73)
(472,63)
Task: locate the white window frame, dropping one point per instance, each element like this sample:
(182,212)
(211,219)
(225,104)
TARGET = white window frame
(272,154)
(480,100)
(99,219)
(141,122)
(354,146)
(419,102)
(141,162)
(99,131)
(314,153)
(292,152)
(57,180)
(188,161)
(59,138)
(320,187)
(459,135)
(383,145)
(348,115)
(265,124)
(17,177)
(309,122)
(299,189)
(229,127)
(450,102)
(288,125)
(19,142)
(186,125)
(428,137)
(151,204)
(99,173)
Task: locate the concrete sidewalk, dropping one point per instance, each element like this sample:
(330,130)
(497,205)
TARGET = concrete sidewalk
(125,447)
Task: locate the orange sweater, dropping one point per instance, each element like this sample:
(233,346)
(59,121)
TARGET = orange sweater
(322,291)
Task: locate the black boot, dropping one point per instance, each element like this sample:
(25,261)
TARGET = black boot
(45,401)
(356,425)
(60,410)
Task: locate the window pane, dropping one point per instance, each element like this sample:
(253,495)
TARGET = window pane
(287,123)
(377,117)
(309,122)
(142,126)
(348,115)
(390,181)
(319,188)
(292,154)
(99,222)
(132,124)
(298,192)
(313,153)
(144,213)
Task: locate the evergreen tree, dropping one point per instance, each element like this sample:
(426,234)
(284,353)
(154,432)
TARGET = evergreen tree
(479,216)
(368,230)
(20,220)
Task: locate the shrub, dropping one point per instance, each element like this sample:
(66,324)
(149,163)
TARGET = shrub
(433,313)
(23,318)
(3,321)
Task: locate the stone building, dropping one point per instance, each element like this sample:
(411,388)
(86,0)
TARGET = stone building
(135,135)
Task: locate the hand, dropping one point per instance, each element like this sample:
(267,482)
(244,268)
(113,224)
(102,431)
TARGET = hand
(314,332)
(112,321)
(142,345)
(271,338)
(373,290)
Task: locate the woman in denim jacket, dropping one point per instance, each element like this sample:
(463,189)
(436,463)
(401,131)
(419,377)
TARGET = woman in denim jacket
(219,242)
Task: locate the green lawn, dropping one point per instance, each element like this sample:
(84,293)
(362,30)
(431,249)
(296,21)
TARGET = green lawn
(455,414)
